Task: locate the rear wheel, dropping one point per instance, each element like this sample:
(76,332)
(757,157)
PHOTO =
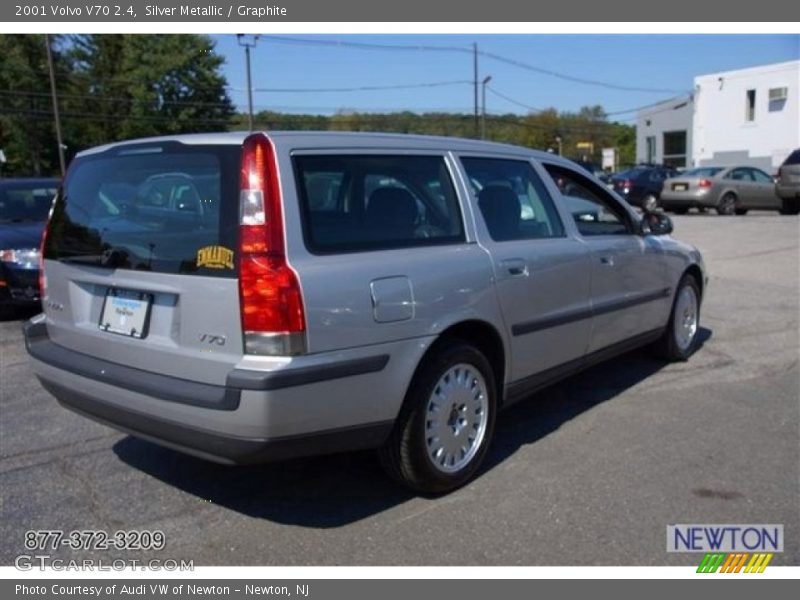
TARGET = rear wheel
(447,421)
(649,203)
(790,206)
(680,336)
(727,204)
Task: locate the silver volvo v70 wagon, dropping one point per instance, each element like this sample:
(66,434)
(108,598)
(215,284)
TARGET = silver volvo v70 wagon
(249,297)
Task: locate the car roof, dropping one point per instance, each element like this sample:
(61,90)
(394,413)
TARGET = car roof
(28,181)
(332,139)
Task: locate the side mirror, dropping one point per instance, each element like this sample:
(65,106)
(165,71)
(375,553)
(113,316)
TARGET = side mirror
(656,223)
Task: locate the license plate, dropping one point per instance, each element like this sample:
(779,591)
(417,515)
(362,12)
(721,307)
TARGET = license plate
(680,187)
(126,312)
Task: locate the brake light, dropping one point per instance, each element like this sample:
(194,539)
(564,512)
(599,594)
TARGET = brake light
(271,301)
(704,183)
(42,245)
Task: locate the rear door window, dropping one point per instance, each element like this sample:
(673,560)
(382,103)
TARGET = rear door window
(166,209)
(353,203)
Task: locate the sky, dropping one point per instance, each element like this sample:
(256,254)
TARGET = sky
(661,66)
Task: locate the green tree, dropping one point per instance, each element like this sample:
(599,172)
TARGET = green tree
(27,136)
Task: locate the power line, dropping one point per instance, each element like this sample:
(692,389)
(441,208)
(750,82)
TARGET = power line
(512,101)
(468,50)
(367,45)
(367,88)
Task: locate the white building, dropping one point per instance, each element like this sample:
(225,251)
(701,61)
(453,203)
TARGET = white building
(748,116)
(664,133)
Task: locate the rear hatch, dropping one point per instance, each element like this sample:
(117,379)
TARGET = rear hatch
(141,260)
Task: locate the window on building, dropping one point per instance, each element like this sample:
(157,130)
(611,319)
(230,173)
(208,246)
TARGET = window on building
(777,98)
(651,149)
(675,149)
(750,107)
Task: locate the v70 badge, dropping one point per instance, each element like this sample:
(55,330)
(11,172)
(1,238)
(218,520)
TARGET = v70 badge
(214,340)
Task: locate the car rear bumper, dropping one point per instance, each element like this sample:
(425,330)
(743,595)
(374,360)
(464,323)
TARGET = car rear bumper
(258,421)
(787,191)
(670,199)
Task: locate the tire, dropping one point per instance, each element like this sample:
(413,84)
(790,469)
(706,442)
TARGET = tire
(790,207)
(741,211)
(649,203)
(679,340)
(434,456)
(727,204)
(681,210)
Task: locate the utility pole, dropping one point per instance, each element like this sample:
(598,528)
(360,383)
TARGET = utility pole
(486,80)
(240,37)
(56,116)
(475,81)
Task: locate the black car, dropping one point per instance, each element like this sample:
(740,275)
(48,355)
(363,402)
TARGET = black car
(24,207)
(641,185)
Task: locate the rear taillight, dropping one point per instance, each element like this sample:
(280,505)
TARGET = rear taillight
(704,183)
(273,321)
(42,245)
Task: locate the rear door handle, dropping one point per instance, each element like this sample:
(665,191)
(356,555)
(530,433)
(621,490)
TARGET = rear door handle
(515,267)
(607,260)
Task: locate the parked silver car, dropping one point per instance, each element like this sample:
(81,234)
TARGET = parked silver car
(729,190)
(341,291)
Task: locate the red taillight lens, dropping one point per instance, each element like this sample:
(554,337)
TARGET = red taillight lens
(704,183)
(42,278)
(271,300)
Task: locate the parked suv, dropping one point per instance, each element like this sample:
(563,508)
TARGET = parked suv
(641,185)
(787,186)
(340,291)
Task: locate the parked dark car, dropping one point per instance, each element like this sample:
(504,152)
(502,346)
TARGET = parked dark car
(641,185)
(787,186)
(24,207)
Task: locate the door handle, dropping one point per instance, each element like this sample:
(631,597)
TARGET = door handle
(607,260)
(515,267)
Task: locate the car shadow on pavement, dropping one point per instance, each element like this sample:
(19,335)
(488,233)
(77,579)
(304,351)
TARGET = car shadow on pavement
(333,491)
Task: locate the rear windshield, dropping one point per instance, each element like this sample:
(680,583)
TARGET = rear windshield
(793,158)
(26,201)
(702,172)
(169,209)
(353,203)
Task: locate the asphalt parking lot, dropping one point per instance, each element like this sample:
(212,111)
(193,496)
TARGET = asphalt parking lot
(588,472)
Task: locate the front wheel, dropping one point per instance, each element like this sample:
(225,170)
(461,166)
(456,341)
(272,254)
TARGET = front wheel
(447,421)
(680,337)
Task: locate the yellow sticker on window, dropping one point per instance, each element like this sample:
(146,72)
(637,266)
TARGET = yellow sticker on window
(215,257)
